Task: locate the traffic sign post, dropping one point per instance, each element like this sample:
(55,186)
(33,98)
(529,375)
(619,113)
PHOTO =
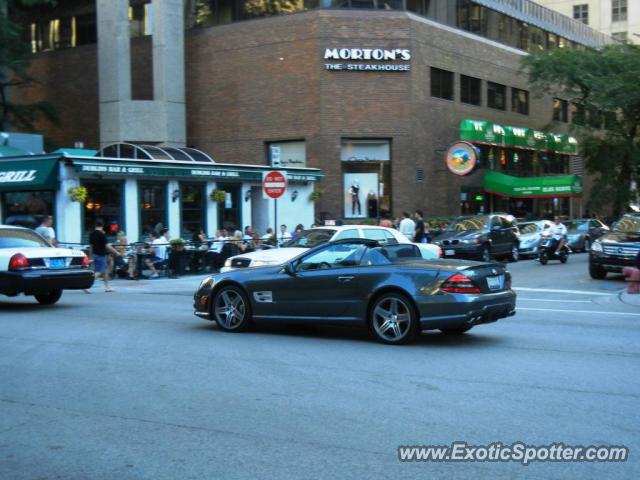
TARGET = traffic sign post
(274,184)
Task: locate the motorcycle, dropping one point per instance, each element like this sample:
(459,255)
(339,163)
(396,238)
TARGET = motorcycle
(547,250)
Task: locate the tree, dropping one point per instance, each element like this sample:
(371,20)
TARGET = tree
(271,7)
(14,70)
(603,86)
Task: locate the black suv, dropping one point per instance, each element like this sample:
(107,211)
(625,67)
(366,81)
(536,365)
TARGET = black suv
(481,237)
(616,249)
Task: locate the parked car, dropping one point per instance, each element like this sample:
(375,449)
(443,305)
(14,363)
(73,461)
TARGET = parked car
(616,249)
(390,289)
(317,236)
(27,221)
(29,265)
(481,237)
(530,236)
(583,231)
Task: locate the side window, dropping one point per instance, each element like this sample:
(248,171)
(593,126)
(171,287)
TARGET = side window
(333,256)
(350,233)
(496,222)
(379,235)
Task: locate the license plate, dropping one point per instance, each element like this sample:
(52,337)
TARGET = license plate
(56,263)
(494,283)
(449,252)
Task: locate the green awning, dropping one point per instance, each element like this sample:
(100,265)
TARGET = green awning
(26,174)
(508,186)
(215,172)
(76,152)
(480,131)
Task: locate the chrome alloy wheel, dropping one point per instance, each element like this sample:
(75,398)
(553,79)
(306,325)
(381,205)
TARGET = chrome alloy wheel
(391,318)
(229,309)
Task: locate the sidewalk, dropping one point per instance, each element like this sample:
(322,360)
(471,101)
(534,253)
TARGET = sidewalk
(185,285)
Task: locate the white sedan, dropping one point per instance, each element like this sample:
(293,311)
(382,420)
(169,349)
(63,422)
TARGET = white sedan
(29,265)
(316,236)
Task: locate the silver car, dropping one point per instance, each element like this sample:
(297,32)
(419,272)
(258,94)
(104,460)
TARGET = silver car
(530,233)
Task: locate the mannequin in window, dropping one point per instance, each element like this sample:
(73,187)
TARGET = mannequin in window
(354,191)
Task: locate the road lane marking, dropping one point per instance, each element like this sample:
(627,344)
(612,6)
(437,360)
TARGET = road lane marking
(578,311)
(551,290)
(549,300)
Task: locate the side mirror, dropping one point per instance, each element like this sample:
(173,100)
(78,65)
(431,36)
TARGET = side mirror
(289,269)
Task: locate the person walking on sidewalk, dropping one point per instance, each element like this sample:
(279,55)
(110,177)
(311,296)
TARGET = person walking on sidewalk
(99,248)
(407,226)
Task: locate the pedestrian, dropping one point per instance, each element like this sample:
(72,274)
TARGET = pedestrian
(299,229)
(386,222)
(284,236)
(407,226)
(46,231)
(420,235)
(99,248)
(269,238)
(158,251)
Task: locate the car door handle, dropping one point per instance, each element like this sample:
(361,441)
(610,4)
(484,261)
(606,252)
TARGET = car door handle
(345,278)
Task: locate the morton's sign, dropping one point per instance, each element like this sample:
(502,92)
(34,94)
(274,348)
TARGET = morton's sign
(360,59)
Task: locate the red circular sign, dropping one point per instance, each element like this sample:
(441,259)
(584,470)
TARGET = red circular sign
(274,184)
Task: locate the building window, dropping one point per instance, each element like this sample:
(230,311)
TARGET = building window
(560,110)
(27,209)
(104,202)
(287,154)
(618,10)
(230,211)
(581,13)
(520,101)
(193,208)
(470,90)
(441,83)
(496,96)
(366,176)
(578,116)
(153,206)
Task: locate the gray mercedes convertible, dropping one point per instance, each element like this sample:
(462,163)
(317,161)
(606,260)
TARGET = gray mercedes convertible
(389,289)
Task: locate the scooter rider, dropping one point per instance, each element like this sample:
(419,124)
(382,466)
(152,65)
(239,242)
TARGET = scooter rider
(559,233)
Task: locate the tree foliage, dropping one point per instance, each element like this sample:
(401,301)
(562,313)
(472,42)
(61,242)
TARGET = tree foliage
(271,7)
(603,85)
(14,69)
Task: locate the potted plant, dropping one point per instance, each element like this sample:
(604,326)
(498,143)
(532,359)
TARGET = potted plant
(177,244)
(78,194)
(315,195)
(218,196)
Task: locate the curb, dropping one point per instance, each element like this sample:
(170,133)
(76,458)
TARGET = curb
(629,299)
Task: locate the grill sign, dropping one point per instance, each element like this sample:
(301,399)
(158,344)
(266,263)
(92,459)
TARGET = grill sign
(383,56)
(18,176)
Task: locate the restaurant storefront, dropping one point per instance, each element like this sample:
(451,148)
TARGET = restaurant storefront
(524,171)
(140,195)
(27,189)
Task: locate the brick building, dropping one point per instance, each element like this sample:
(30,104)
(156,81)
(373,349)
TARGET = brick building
(372,97)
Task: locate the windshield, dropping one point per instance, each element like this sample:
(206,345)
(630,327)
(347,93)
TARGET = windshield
(526,228)
(576,227)
(628,224)
(10,238)
(467,223)
(311,238)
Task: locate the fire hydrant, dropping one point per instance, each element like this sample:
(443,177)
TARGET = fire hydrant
(632,277)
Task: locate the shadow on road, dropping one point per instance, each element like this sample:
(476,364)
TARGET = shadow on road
(430,338)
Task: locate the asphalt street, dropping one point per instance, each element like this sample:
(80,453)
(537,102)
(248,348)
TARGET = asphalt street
(130,385)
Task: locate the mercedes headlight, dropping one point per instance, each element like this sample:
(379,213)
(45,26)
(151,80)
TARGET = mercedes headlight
(596,247)
(206,282)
